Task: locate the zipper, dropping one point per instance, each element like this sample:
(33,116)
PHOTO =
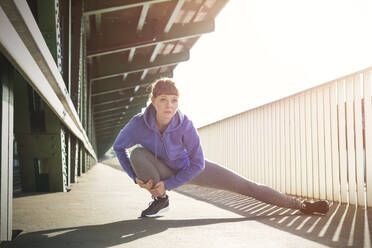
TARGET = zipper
(163,143)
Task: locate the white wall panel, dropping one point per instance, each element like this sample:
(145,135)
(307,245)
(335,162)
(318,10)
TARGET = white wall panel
(342,140)
(328,173)
(321,140)
(350,139)
(310,144)
(368,133)
(334,143)
(359,166)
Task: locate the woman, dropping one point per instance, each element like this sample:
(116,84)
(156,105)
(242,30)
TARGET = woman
(168,154)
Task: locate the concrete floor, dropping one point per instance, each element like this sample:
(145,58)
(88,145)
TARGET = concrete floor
(102,210)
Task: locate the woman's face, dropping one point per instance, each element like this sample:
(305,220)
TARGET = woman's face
(166,106)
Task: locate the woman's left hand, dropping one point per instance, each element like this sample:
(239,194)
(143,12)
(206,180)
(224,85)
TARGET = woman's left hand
(158,189)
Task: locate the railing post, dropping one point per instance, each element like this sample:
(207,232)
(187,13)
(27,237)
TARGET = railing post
(368,132)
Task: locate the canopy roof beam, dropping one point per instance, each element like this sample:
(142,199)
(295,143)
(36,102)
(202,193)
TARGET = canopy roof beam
(140,65)
(117,84)
(177,32)
(102,7)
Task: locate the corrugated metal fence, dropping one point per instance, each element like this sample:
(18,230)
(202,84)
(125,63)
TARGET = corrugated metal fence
(314,144)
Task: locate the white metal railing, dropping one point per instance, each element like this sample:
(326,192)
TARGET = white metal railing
(314,144)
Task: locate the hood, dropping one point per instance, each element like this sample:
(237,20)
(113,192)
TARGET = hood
(149,118)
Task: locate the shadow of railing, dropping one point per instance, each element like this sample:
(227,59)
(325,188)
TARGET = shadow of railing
(343,226)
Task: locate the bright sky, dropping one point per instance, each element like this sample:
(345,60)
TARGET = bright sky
(264,50)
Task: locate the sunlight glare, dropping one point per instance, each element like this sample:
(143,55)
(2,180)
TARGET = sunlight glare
(264,50)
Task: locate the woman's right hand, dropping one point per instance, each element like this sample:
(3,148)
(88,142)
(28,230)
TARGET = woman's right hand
(144,185)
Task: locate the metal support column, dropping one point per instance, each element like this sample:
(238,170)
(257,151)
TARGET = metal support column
(80,160)
(6,171)
(74,159)
(76,12)
(75,84)
(68,150)
(83,169)
(55,25)
(69,91)
(39,132)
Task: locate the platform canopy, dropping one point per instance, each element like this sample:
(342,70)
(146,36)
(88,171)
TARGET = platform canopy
(132,43)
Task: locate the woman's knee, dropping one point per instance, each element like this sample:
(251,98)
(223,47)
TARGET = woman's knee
(139,155)
(143,165)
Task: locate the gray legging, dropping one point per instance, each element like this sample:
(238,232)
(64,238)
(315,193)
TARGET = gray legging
(146,167)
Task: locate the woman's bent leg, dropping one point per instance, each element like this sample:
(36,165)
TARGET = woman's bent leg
(216,176)
(147,167)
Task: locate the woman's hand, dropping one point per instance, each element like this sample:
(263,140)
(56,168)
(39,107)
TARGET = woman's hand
(144,185)
(158,189)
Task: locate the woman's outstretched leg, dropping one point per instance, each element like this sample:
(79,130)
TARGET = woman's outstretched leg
(216,176)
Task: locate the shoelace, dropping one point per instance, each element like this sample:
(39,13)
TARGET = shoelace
(154,200)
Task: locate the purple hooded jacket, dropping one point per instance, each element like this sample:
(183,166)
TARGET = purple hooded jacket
(178,147)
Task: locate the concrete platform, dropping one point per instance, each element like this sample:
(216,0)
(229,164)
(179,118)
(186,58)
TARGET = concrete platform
(102,210)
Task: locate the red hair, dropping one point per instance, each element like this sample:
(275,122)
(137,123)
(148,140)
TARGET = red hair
(164,86)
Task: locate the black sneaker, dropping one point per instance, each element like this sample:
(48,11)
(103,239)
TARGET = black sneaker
(158,206)
(310,207)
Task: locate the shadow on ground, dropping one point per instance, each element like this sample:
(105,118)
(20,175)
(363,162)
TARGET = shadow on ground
(342,226)
(109,234)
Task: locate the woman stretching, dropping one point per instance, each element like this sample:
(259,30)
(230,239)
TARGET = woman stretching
(168,154)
